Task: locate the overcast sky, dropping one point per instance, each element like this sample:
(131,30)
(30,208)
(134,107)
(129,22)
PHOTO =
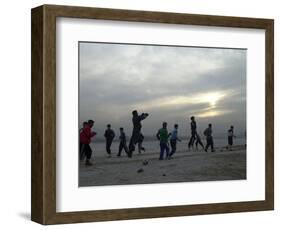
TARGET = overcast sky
(170,83)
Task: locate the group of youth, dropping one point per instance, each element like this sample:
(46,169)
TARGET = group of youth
(137,138)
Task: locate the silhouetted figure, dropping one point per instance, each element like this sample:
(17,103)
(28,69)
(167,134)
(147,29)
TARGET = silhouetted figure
(230,136)
(173,140)
(85,138)
(122,144)
(198,141)
(193,132)
(81,145)
(163,136)
(209,138)
(136,130)
(140,141)
(109,136)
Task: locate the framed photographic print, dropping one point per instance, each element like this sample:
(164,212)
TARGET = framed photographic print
(139,114)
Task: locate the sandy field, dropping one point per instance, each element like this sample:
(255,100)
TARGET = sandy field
(184,167)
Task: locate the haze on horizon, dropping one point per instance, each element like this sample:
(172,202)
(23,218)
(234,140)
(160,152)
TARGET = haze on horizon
(170,83)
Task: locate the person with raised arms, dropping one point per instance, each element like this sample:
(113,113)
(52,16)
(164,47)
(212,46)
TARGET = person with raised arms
(136,130)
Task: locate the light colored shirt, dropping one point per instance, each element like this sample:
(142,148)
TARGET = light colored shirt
(174,134)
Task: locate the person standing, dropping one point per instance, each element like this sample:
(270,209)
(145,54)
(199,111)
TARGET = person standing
(85,139)
(163,136)
(230,135)
(193,127)
(173,140)
(122,144)
(209,138)
(136,130)
(109,136)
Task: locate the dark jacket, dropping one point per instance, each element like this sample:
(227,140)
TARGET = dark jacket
(137,121)
(193,126)
(109,134)
(122,137)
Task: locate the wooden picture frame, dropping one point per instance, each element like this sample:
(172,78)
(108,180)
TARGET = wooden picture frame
(43,208)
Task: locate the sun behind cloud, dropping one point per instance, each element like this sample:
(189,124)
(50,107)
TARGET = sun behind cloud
(212,97)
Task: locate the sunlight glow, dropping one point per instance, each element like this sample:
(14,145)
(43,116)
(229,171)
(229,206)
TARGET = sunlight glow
(209,98)
(212,98)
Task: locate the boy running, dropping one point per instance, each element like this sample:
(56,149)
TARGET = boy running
(230,135)
(209,138)
(81,146)
(109,136)
(85,138)
(136,130)
(193,132)
(122,144)
(173,140)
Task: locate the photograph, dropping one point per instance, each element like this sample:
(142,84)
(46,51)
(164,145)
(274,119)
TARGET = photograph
(141,104)
(151,113)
